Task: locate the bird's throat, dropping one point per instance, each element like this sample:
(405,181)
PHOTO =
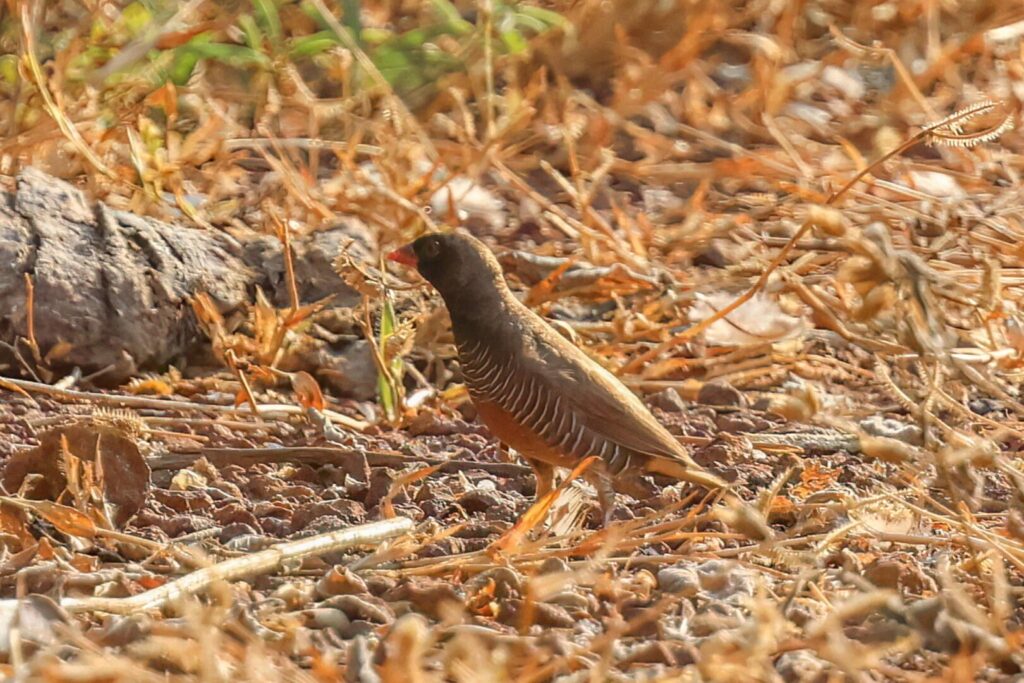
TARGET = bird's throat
(482,316)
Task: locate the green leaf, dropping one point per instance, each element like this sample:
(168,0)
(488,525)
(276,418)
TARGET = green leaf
(135,18)
(252,32)
(417,38)
(375,36)
(451,17)
(84,63)
(9,69)
(549,18)
(269,19)
(388,383)
(350,20)
(182,66)
(408,67)
(307,46)
(238,56)
(187,56)
(352,15)
(514,42)
(310,10)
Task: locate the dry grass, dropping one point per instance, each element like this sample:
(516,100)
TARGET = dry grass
(815,202)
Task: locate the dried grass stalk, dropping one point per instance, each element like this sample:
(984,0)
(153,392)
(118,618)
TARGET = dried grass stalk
(259,563)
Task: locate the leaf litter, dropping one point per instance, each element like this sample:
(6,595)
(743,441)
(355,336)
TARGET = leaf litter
(793,227)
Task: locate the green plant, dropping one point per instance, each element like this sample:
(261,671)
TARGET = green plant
(389,376)
(410,61)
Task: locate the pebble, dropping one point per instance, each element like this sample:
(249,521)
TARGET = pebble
(876,425)
(668,400)
(679,580)
(721,394)
(800,665)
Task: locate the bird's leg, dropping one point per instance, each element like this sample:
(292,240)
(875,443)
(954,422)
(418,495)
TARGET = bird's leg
(545,475)
(601,480)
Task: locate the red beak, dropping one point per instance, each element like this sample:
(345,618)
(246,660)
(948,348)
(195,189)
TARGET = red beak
(404,255)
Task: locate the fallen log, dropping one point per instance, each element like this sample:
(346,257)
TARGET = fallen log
(111,289)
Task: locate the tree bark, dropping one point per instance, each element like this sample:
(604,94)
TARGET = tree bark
(113,288)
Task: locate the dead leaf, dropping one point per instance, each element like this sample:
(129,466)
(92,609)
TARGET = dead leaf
(12,563)
(758,321)
(814,479)
(126,476)
(541,291)
(12,523)
(307,390)
(4,384)
(67,519)
(208,316)
(188,479)
(397,484)
(34,618)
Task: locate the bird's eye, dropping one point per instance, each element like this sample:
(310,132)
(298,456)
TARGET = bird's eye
(431,249)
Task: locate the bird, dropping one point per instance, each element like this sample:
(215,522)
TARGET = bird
(534,389)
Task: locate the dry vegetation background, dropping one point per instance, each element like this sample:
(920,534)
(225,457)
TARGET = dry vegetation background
(794,227)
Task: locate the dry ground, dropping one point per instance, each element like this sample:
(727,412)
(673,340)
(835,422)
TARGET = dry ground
(793,227)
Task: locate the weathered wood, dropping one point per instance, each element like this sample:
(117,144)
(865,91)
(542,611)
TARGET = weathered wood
(116,286)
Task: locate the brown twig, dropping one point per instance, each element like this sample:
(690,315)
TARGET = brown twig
(240,567)
(322,455)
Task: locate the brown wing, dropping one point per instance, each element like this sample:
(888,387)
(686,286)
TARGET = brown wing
(603,406)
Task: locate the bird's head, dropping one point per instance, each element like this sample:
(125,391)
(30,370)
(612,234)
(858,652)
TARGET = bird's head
(458,265)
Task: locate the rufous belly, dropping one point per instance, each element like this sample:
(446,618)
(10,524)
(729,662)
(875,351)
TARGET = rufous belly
(515,435)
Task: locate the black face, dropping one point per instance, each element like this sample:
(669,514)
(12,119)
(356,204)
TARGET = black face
(432,256)
(459,266)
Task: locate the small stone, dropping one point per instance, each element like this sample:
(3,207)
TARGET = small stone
(428,596)
(233,531)
(721,394)
(876,425)
(361,608)
(571,600)
(741,423)
(668,400)
(359,627)
(800,665)
(479,500)
(544,614)
(325,617)
(983,406)
(340,581)
(679,580)
(718,617)
(727,581)
(553,565)
(899,571)
(849,83)
(351,371)
(380,483)
(661,202)
(507,582)
(446,547)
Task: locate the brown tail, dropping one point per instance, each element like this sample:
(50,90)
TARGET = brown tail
(685,472)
